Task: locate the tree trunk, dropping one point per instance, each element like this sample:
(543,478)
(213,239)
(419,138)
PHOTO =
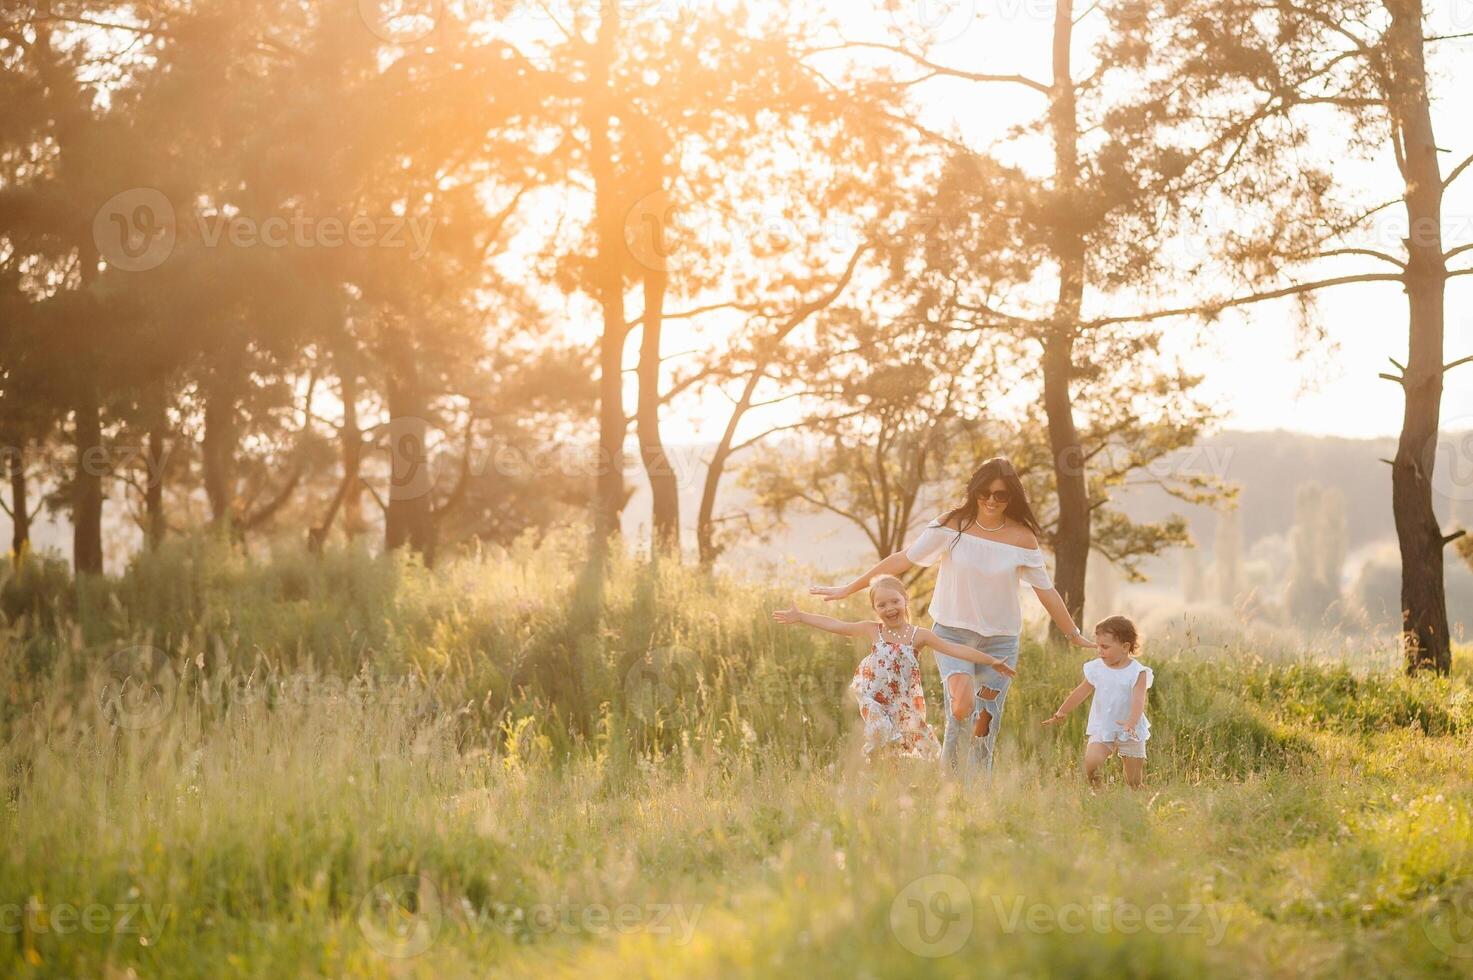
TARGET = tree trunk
(706,518)
(1072,534)
(87,490)
(408,522)
(217,448)
(664,487)
(349,490)
(352,451)
(20,529)
(1424,604)
(154,491)
(609,276)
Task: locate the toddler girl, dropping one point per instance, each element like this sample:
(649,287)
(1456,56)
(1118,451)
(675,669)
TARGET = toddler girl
(887,683)
(1117,715)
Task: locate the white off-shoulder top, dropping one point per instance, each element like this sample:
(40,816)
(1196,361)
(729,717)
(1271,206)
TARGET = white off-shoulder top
(977,583)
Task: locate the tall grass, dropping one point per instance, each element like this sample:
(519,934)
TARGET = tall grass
(520,762)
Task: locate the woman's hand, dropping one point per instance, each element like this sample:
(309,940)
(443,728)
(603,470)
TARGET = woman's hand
(1004,668)
(1127,726)
(830,593)
(1053,719)
(1080,640)
(788,616)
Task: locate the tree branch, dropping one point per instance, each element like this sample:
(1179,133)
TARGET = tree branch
(1365,251)
(1457,171)
(1208,308)
(934,68)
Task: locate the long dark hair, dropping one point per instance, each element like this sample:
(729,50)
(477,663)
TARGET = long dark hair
(998,467)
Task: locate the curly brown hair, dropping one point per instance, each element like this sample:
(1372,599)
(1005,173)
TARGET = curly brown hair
(1121,629)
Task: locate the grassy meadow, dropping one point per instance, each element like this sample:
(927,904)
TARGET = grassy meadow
(518,764)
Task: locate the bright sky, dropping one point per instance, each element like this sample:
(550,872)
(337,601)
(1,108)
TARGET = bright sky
(1254,367)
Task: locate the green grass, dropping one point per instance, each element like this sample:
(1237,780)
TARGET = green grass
(631,771)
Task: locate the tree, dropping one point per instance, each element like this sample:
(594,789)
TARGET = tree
(1192,577)
(1318,542)
(1227,556)
(908,416)
(62,146)
(1023,255)
(1265,75)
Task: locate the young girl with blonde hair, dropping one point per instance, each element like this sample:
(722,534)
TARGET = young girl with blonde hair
(887,683)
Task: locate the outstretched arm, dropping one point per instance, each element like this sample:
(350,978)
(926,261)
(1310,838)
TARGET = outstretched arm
(925,637)
(896,564)
(826,623)
(1137,706)
(1059,613)
(1075,699)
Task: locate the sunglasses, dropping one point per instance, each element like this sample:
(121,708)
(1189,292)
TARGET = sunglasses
(997,496)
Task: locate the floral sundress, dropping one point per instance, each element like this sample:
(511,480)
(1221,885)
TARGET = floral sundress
(887,685)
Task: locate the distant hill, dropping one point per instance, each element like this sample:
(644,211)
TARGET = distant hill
(1266,467)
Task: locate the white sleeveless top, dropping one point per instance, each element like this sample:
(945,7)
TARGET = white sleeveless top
(977,583)
(1114,689)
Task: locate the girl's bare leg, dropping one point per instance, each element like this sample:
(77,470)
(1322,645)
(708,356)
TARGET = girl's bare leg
(1095,755)
(1135,772)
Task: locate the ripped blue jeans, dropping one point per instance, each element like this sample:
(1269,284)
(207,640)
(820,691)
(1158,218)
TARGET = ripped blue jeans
(963,752)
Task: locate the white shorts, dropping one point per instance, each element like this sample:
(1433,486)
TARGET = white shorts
(1127,750)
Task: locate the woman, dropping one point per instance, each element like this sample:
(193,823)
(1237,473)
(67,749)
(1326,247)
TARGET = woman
(985,547)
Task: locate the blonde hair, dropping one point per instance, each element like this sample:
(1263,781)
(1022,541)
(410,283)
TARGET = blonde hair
(887,582)
(1123,630)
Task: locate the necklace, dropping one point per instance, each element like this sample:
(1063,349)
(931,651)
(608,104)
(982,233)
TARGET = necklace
(984,527)
(895,637)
